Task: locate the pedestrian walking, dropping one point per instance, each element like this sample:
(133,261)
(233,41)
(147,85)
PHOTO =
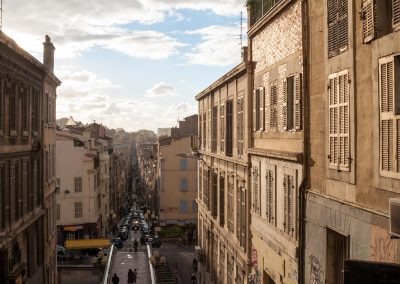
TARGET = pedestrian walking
(131,276)
(193,278)
(115,279)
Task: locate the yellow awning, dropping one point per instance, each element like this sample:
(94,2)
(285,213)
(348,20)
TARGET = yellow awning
(87,244)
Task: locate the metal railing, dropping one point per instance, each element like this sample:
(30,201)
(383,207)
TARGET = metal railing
(107,269)
(152,271)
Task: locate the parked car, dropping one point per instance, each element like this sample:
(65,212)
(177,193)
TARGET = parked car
(118,243)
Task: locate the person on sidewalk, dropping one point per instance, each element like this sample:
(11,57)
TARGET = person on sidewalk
(115,279)
(131,276)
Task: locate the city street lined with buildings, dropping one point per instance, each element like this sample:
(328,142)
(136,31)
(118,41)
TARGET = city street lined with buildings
(282,166)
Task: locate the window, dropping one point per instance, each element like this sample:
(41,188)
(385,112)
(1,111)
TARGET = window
(389,94)
(24,187)
(258,109)
(288,206)
(183,164)
(204,130)
(270,196)
(337,27)
(58,185)
(230,204)
(183,184)
(243,211)
(222,127)
(221,200)
(183,206)
(240,126)
(261,7)
(273,106)
(25,110)
(200,133)
(2,105)
(58,212)
(214,132)
(368,20)
(336,253)
(13,186)
(78,209)
(214,207)
(36,110)
(291,110)
(3,202)
(396,14)
(78,184)
(229,128)
(339,121)
(256,192)
(194,206)
(13,106)
(206,186)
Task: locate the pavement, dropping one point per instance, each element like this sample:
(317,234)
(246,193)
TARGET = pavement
(122,261)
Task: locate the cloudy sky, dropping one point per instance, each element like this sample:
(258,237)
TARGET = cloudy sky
(130,63)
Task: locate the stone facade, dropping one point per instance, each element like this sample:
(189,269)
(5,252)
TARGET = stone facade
(27,102)
(348,201)
(224,190)
(276,151)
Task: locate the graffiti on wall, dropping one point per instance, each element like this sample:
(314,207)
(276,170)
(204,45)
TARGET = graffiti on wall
(383,248)
(315,270)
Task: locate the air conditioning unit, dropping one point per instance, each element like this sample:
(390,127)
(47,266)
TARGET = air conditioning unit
(394,216)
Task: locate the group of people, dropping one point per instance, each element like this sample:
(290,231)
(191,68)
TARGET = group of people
(132,275)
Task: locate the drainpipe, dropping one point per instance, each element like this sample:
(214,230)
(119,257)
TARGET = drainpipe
(306,134)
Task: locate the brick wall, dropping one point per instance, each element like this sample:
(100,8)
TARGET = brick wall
(269,46)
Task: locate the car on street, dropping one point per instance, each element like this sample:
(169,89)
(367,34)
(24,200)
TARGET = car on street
(118,243)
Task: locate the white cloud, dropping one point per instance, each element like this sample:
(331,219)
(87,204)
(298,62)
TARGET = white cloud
(161,90)
(220,45)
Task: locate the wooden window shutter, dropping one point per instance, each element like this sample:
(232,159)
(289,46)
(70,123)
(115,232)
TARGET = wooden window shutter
(387,114)
(332,28)
(368,20)
(254,111)
(285,202)
(273,106)
(343,34)
(13,188)
(333,118)
(396,14)
(290,190)
(344,120)
(284,105)
(297,102)
(262,107)
(267,109)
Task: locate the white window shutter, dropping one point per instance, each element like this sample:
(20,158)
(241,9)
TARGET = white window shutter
(284,105)
(262,107)
(285,202)
(388,148)
(254,111)
(273,106)
(267,109)
(396,14)
(290,205)
(297,102)
(333,118)
(368,20)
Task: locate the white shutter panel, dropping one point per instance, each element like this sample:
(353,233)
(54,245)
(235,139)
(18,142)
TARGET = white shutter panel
(387,116)
(368,20)
(254,111)
(273,106)
(344,123)
(285,203)
(396,14)
(267,107)
(333,118)
(297,102)
(284,105)
(290,204)
(262,107)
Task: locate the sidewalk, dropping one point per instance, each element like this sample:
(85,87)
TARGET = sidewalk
(122,261)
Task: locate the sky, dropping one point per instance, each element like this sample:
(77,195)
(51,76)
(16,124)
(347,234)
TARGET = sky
(132,64)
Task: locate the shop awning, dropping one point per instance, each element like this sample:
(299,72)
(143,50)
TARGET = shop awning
(87,244)
(73,228)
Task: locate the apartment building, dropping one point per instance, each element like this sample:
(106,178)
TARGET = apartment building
(177,176)
(224,189)
(277,137)
(354,136)
(51,82)
(27,249)
(83,194)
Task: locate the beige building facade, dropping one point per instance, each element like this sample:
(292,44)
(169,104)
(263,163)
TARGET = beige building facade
(27,247)
(354,142)
(177,183)
(224,191)
(277,138)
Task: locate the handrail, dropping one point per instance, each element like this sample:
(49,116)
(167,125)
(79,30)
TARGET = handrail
(152,271)
(107,269)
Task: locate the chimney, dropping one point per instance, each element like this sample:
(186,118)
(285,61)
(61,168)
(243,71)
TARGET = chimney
(244,54)
(48,54)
